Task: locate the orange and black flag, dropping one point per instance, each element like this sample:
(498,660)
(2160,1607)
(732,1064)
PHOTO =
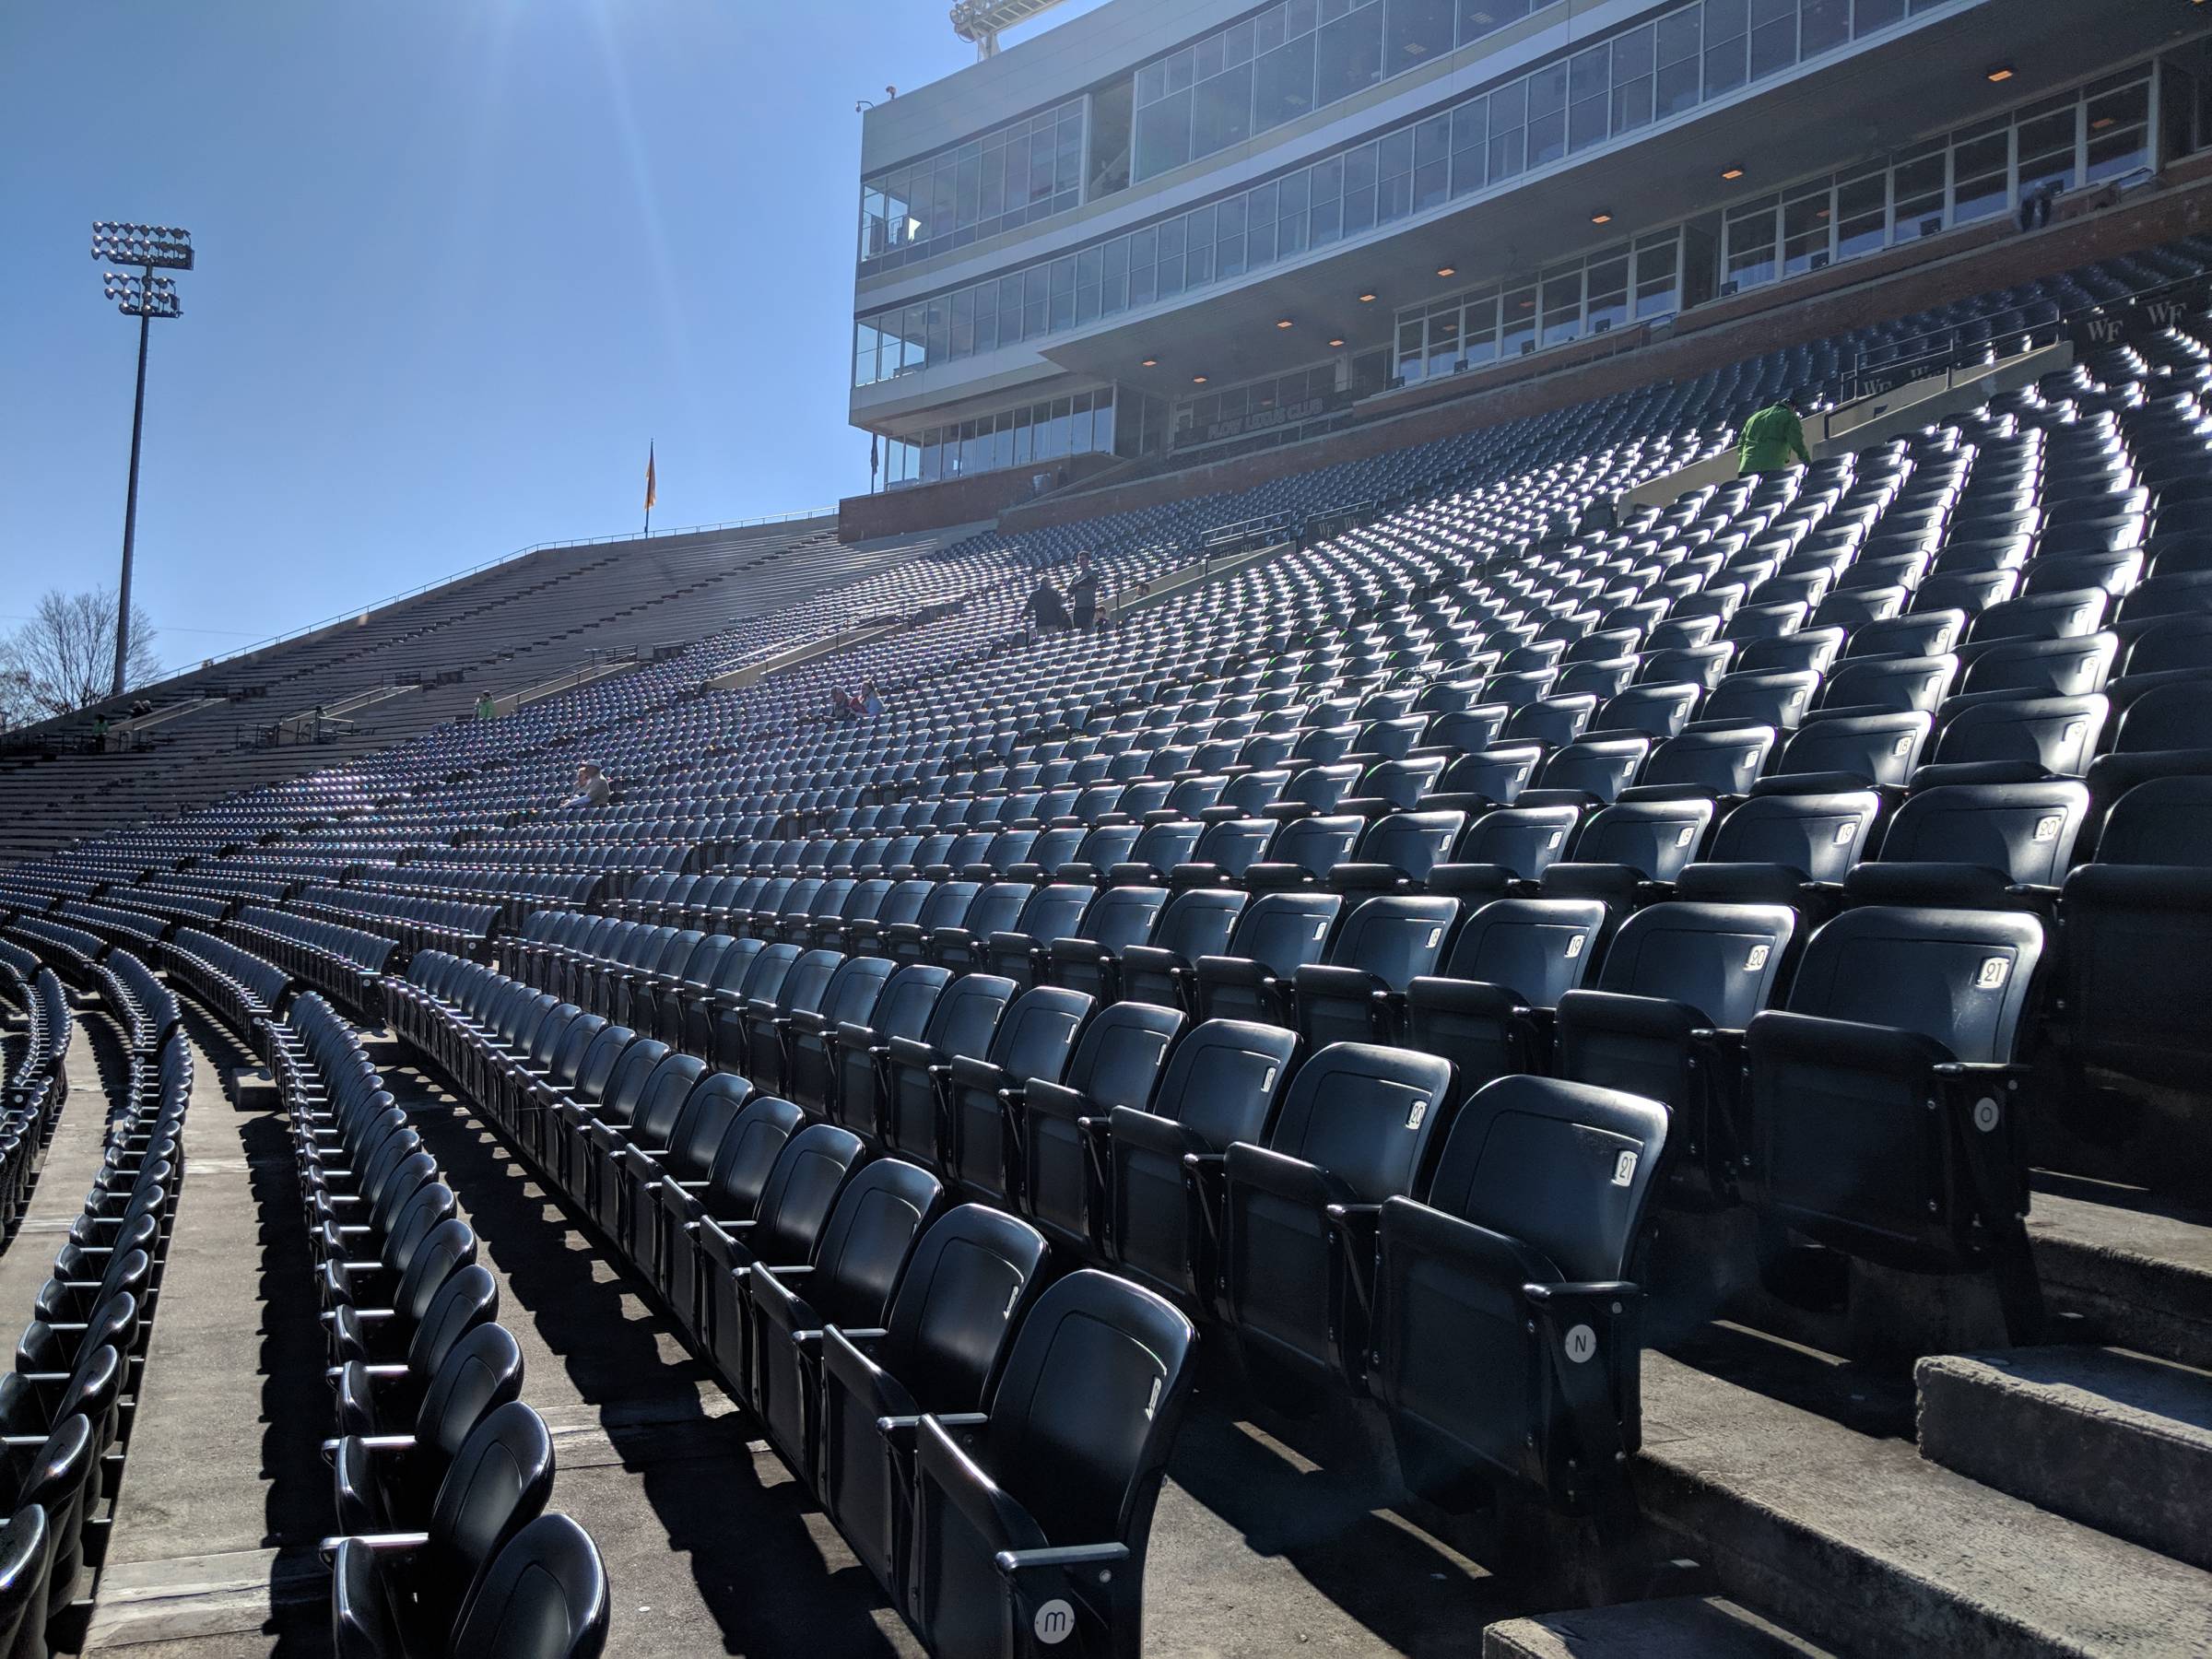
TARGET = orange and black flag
(649,479)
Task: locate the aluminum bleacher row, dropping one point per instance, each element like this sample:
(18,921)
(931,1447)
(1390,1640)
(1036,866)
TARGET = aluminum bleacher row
(1392,961)
(68,1407)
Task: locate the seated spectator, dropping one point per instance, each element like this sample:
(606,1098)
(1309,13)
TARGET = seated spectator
(591,787)
(870,700)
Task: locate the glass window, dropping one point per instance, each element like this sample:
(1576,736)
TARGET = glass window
(1268,30)
(1478,330)
(1823,25)
(1180,65)
(1562,296)
(2118,124)
(1479,17)
(1862,213)
(1606,302)
(1517,329)
(1980,171)
(1163,135)
(1870,15)
(1546,114)
(1412,353)
(1283,84)
(1632,66)
(1348,54)
(1443,338)
(1470,145)
(1416,31)
(1509,112)
(2047,138)
(1727,39)
(1806,218)
(1658,275)
(1749,259)
(1675,85)
(1206,58)
(1773,35)
(1359,189)
(1589,81)
(1222,111)
(1918,191)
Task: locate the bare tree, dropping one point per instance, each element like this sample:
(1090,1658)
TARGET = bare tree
(64,658)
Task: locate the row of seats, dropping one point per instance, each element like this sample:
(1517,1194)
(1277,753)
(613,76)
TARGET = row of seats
(989,1436)
(68,1406)
(442,1473)
(34,1074)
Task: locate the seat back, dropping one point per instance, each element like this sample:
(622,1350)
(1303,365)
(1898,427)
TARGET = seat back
(967,1286)
(544,1597)
(1363,1114)
(747,1154)
(498,1484)
(1960,978)
(880,1214)
(1282,932)
(801,1191)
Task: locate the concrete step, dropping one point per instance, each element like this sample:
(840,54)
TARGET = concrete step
(2133,1270)
(2118,1441)
(1858,1537)
(1688,1627)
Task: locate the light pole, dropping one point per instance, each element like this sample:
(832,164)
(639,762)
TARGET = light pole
(152,248)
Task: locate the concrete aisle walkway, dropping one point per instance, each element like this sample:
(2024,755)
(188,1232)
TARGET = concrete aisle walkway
(225,1492)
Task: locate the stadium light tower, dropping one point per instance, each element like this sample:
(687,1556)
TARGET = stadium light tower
(151,248)
(980,20)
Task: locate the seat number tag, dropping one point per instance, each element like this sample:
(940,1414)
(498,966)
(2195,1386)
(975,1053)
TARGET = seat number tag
(1758,958)
(1556,837)
(1436,937)
(1902,746)
(1267,1081)
(1994,970)
(1420,1110)
(1624,1168)
(1685,835)
(1845,833)
(2046,828)
(1320,928)
(1582,1344)
(1152,1400)
(1574,945)
(1056,1621)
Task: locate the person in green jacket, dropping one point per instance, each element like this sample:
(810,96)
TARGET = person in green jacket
(1770,438)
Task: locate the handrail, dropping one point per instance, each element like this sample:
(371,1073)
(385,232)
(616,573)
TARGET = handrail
(475,569)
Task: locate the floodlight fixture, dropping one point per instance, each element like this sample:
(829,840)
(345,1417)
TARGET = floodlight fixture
(147,297)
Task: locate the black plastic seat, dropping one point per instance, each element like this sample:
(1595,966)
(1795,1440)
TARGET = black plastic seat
(1032,1043)
(727,1193)
(967,1287)
(1489,1010)
(1666,1018)
(880,1214)
(795,1202)
(1156,1220)
(1357,993)
(1299,1211)
(917,1070)
(402,1592)
(1276,935)
(1015,1512)
(1893,1007)
(543,1596)
(1054,1128)
(903,1009)
(1506,1327)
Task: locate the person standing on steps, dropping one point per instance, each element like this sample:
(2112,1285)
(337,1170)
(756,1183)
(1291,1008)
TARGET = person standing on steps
(1770,438)
(1083,595)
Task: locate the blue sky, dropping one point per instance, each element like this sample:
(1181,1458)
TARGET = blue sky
(459,261)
